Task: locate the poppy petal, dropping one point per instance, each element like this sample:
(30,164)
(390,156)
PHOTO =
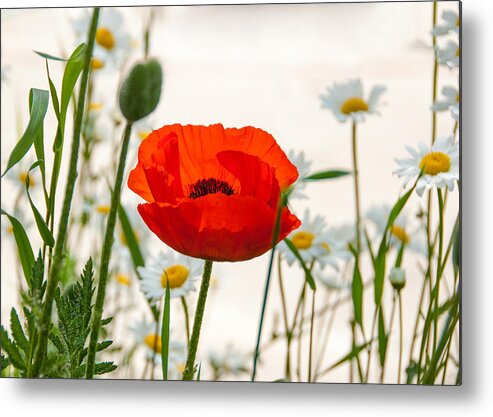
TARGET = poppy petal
(217,227)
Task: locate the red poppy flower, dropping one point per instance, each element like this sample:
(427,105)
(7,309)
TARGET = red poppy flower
(212,193)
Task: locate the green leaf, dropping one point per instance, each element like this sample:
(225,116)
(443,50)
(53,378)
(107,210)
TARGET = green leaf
(39,105)
(456,246)
(10,348)
(24,248)
(326,175)
(165,333)
(380,260)
(48,56)
(357,289)
(44,230)
(140,92)
(296,253)
(351,355)
(18,332)
(130,238)
(104,368)
(382,337)
(198,371)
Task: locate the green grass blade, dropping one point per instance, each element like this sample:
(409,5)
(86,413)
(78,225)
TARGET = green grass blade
(382,337)
(48,56)
(296,253)
(130,238)
(43,229)
(39,105)
(24,248)
(326,175)
(357,289)
(165,333)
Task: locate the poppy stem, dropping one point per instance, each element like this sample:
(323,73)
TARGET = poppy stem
(197,322)
(106,253)
(275,235)
(54,275)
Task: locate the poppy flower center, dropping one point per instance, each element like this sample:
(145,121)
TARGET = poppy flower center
(400,234)
(435,162)
(354,104)
(153,341)
(303,240)
(105,38)
(96,64)
(209,186)
(175,276)
(123,279)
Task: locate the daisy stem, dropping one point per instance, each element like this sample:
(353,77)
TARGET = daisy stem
(392,315)
(312,321)
(187,321)
(435,77)
(106,253)
(197,322)
(399,368)
(439,269)
(285,317)
(57,264)
(356,188)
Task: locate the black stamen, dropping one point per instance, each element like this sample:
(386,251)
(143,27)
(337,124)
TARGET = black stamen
(209,186)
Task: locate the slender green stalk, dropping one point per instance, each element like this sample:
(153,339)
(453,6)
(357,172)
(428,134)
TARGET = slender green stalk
(285,317)
(392,315)
(370,346)
(187,320)
(435,77)
(439,269)
(106,253)
(418,315)
(197,322)
(275,234)
(56,267)
(356,189)
(312,321)
(399,368)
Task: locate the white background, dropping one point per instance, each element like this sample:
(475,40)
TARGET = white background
(128,398)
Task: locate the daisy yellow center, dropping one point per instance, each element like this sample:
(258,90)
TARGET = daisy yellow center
(326,247)
(354,104)
(153,341)
(457,52)
(143,134)
(400,234)
(457,22)
(96,64)
(103,209)
(435,162)
(95,106)
(175,276)
(23,177)
(303,240)
(105,38)
(457,98)
(181,367)
(10,230)
(123,279)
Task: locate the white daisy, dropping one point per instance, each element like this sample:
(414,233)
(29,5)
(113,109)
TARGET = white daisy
(179,271)
(4,71)
(329,279)
(148,335)
(397,278)
(451,97)
(346,100)
(230,361)
(450,55)
(440,165)
(314,243)
(112,45)
(401,232)
(451,24)
(304,169)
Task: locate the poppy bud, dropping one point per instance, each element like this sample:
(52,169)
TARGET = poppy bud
(397,278)
(140,92)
